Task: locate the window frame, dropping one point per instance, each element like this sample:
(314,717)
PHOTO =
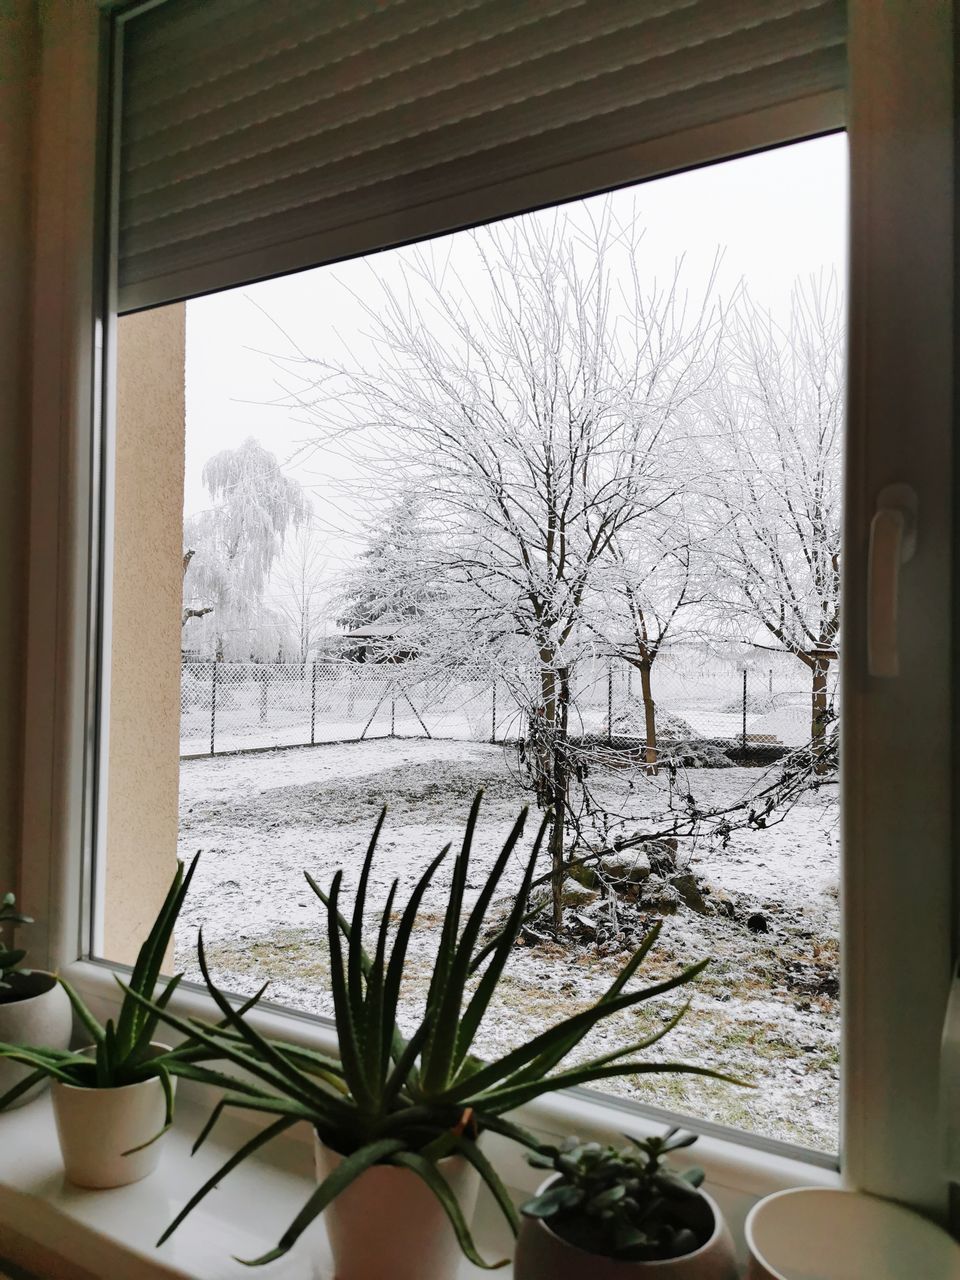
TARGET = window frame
(901,89)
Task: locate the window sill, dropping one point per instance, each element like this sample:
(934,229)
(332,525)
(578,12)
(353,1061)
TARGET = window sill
(63,1232)
(72,1234)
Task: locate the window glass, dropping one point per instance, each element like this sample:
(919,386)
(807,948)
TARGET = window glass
(551,509)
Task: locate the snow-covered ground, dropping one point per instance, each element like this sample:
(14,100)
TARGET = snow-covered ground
(766,1009)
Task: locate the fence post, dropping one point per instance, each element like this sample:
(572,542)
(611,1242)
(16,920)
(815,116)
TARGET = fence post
(744,729)
(393,710)
(313,703)
(493,712)
(213,711)
(609,703)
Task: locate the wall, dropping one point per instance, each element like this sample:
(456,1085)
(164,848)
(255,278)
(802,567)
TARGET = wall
(144,691)
(18,73)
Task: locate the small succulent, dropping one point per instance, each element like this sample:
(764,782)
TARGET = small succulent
(10,957)
(620,1202)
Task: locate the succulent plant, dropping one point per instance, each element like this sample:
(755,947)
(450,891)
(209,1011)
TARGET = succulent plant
(10,957)
(620,1202)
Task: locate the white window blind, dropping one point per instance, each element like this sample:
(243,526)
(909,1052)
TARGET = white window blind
(258,137)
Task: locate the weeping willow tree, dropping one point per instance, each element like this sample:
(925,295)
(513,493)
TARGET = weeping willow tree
(235,544)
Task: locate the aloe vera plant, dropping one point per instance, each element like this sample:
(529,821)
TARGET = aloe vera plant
(122,1050)
(409,1101)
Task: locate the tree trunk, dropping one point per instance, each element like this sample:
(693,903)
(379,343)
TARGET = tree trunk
(649,716)
(552,769)
(818,713)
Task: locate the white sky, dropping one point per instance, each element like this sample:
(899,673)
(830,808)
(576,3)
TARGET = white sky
(774,216)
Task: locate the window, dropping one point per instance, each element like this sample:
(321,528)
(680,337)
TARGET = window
(894,1004)
(381,456)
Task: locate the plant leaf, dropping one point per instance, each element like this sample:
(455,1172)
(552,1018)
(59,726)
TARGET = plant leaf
(259,1140)
(472,1152)
(83,1013)
(349,1169)
(441,1189)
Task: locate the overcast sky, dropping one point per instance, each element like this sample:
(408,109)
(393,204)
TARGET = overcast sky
(773,216)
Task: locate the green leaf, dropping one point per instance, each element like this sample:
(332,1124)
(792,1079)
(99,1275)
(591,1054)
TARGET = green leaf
(607,1198)
(355,966)
(298,1083)
(379,1022)
(555,1199)
(23,1087)
(259,1140)
(89,1022)
(563,1032)
(391,988)
(548,1060)
(455,1036)
(348,1035)
(435,1058)
(251,1101)
(149,961)
(451,1206)
(141,1047)
(472,1152)
(324,1105)
(164,1077)
(487,985)
(400,1075)
(349,1169)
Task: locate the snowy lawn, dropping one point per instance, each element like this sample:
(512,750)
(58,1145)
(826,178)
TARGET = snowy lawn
(766,1008)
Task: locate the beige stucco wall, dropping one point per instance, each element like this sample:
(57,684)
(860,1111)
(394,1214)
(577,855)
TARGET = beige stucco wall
(144,697)
(18,68)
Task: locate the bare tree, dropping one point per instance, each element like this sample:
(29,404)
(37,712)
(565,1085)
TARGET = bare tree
(539,408)
(774,456)
(653,582)
(298,591)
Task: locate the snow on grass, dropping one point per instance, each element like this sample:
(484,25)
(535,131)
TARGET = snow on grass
(766,1008)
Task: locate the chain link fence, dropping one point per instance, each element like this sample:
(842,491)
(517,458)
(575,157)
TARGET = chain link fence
(233,706)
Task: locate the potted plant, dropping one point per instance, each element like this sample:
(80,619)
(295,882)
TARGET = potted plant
(399,1119)
(34,1009)
(114,1100)
(621,1213)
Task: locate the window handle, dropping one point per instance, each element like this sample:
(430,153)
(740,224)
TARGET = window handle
(893,541)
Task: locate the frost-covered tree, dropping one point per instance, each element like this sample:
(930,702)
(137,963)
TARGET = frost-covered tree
(773,464)
(298,590)
(652,585)
(396,580)
(539,407)
(235,544)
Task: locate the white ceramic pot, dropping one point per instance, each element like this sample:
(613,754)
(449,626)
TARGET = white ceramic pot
(845,1235)
(96,1127)
(543,1255)
(388,1223)
(39,1016)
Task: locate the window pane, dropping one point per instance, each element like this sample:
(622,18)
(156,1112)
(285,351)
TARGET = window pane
(551,509)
